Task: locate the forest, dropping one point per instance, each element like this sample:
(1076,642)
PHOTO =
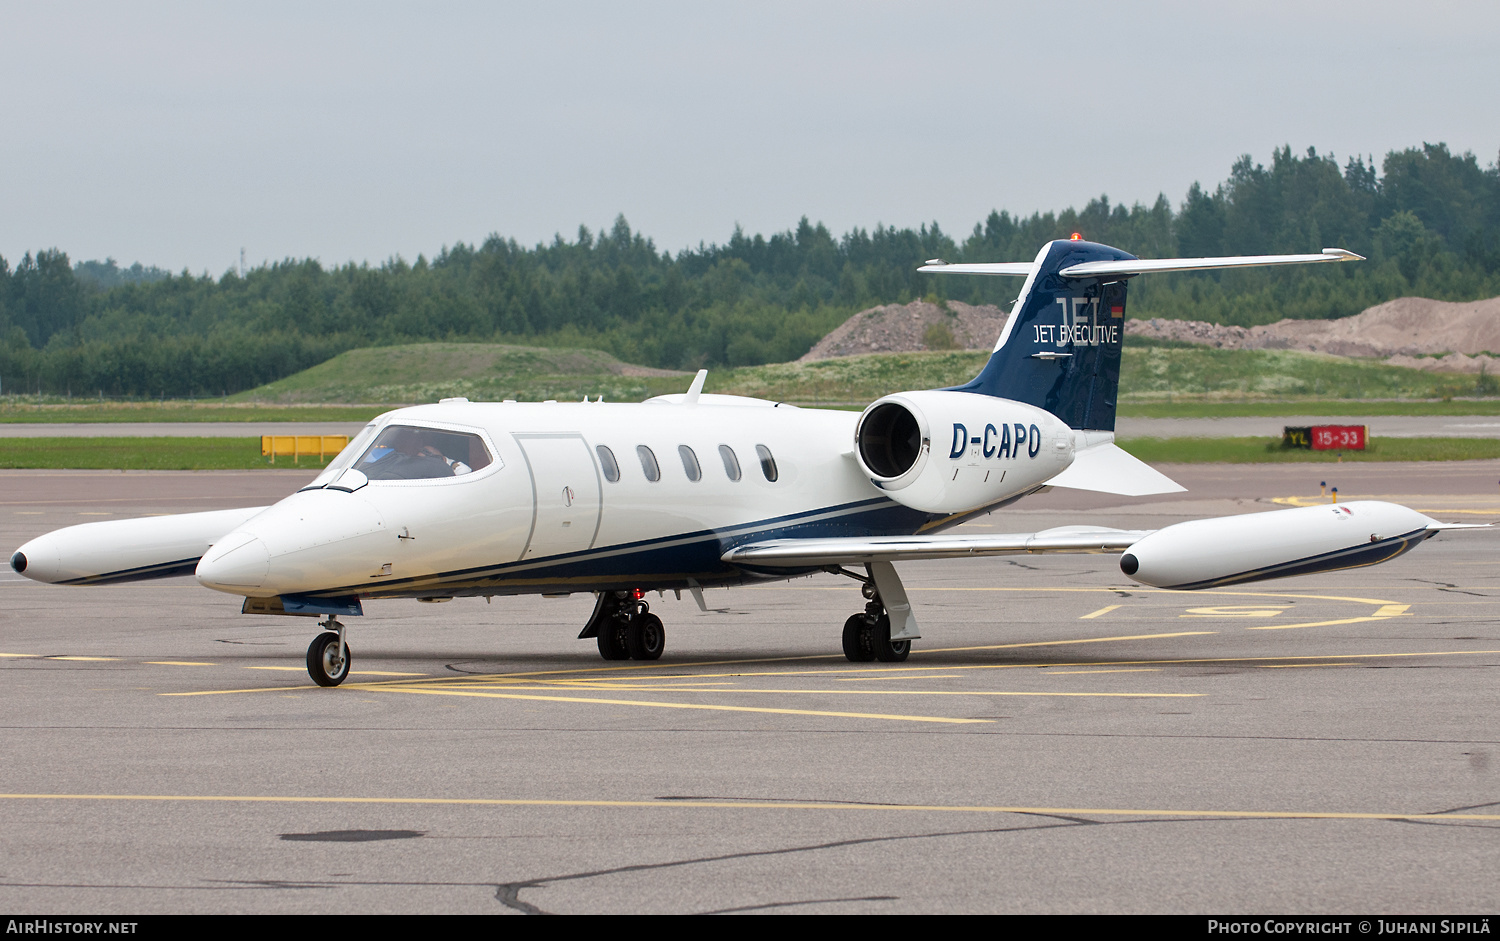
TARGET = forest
(1428,220)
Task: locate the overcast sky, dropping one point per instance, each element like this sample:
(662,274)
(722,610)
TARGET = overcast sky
(175,134)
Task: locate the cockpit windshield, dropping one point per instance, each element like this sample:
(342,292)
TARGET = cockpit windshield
(344,458)
(406,452)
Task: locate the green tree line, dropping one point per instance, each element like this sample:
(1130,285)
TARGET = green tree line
(1428,219)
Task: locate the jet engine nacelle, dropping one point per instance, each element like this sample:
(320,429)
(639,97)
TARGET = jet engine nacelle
(1257,546)
(946,452)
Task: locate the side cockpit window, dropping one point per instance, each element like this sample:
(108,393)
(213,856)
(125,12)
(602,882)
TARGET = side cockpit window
(405,452)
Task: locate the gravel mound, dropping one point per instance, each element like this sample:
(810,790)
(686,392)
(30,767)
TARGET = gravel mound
(1410,331)
(905,328)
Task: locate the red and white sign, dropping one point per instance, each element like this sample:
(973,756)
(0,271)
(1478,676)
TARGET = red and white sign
(1339,437)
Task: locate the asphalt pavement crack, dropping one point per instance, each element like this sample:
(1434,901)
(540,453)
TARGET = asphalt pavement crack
(507,893)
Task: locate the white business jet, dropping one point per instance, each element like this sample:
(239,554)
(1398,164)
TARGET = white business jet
(685,492)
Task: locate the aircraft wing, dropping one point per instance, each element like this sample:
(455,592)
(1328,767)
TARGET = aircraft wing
(861,550)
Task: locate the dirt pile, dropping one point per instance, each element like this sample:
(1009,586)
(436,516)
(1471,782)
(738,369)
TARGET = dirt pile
(1438,336)
(1409,331)
(904,328)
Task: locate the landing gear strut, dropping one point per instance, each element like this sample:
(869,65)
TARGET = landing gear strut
(328,656)
(625,628)
(868,635)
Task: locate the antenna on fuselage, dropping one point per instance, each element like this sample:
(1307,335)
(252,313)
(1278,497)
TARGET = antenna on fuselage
(692,393)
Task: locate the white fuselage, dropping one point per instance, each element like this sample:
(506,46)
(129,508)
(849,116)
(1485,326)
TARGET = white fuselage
(544,516)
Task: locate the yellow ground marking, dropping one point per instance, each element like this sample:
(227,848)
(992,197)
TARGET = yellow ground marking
(178,663)
(757,805)
(502,678)
(1100,613)
(83,658)
(679,705)
(288,669)
(381,673)
(1298,666)
(29,513)
(919,676)
(477,690)
(17,655)
(1287,627)
(1060,643)
(1138,590)
(1392,611)
(94,513)
(1236,611)
(1125,670)
(1324,501)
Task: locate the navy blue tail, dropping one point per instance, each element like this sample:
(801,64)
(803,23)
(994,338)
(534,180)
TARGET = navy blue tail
(1061,347)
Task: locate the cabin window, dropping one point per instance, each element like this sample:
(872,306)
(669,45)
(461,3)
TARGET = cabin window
(648,463)
(608,464)
(731,463)
(406,452)
(690,463)
(767,462)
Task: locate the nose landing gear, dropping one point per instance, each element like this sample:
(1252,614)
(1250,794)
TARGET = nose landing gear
(625,628)
(328,656)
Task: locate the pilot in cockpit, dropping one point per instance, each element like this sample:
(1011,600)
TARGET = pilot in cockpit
(458,468)
(409,454)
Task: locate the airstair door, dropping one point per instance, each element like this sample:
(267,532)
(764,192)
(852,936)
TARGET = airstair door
(565,494)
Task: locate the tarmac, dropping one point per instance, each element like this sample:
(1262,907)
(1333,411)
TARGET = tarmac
(1061,739)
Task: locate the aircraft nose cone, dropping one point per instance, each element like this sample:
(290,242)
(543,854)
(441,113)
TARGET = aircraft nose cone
(235,563)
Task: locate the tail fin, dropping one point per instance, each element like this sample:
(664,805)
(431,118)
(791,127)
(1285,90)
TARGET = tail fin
(1060,349)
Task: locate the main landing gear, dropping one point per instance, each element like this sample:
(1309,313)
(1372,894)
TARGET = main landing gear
(625,628)
(869,635)
(328,656)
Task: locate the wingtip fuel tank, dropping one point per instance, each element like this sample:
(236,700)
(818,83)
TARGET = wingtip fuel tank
(1257,546)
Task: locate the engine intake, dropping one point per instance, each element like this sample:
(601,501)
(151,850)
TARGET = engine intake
(890,440)
(988,449)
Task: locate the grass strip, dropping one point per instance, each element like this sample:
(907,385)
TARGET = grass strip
(179,411)
(141,454)
(1269,451)
(1206,408)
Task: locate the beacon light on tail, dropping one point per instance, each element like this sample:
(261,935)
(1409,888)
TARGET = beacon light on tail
(1257,546)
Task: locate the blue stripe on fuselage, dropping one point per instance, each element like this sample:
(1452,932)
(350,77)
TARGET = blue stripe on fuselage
(663,562)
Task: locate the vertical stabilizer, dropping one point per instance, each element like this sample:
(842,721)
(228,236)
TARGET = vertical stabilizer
(1060,349)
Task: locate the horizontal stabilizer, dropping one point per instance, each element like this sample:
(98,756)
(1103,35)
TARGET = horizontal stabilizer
(1099,269)
(1012,269)
(860,550)
(1096,269)
(1105,468)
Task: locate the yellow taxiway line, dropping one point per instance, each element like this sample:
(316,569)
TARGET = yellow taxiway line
(428,691)
(763,805)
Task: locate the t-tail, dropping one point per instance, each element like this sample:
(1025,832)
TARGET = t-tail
(1060,349)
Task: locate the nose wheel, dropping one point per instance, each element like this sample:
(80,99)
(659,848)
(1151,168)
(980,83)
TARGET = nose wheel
(328,656)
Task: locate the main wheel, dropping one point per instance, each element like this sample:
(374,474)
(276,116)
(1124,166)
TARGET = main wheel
(646,638)
(323,663)
(612,640)
(887,650)
(857,646)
